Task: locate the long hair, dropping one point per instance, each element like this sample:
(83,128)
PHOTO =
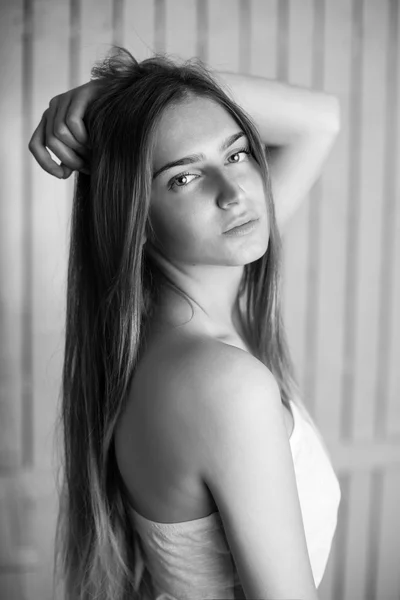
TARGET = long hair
(112,286)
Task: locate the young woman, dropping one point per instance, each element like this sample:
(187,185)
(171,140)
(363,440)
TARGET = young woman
(192,468)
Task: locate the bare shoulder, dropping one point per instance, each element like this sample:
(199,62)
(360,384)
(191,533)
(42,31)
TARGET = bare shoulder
(202,379)
(212,369)
(191,381)
(222,376)
(245,459)
(203,369)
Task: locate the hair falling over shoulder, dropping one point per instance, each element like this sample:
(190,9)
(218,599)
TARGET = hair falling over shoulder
(111,288)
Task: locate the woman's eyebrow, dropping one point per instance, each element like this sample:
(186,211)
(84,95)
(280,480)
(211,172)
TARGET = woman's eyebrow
(193,158)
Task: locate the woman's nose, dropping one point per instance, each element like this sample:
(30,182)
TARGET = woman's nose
(229,191)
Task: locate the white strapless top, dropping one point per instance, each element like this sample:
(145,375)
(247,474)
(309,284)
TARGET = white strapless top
(192,560)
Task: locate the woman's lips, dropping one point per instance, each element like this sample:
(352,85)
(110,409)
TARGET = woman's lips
(243,229)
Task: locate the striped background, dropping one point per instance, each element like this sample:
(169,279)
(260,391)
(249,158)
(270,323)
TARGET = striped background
(341,252)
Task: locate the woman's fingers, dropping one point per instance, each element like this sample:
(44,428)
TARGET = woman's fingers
(66,170)
(77,108)
(37,146)
(62,150)
(62,130)
(79,99)
(41,140)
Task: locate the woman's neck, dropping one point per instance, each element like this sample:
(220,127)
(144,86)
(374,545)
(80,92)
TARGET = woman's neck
(173,311)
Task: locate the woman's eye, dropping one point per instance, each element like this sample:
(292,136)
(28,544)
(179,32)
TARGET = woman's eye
(174,181)
(244,150)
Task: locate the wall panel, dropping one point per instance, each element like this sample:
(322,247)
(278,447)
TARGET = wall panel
(368,216)
(264,37)
(223,35)
(296,25)
(392,371)
(138,30)
(17,551)
(11,239)
(334,181)
(50,207)
(387,571)
(180,27)
(96,34)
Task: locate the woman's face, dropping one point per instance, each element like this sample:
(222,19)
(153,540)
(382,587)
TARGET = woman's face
(190,212)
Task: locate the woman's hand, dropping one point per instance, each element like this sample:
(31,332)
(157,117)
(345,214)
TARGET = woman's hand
(62,130)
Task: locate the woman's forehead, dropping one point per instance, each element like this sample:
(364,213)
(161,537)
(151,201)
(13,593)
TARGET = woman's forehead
(185,127)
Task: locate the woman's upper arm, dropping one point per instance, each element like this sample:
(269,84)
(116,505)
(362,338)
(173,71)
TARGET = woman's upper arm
(246,463)
(294,169)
